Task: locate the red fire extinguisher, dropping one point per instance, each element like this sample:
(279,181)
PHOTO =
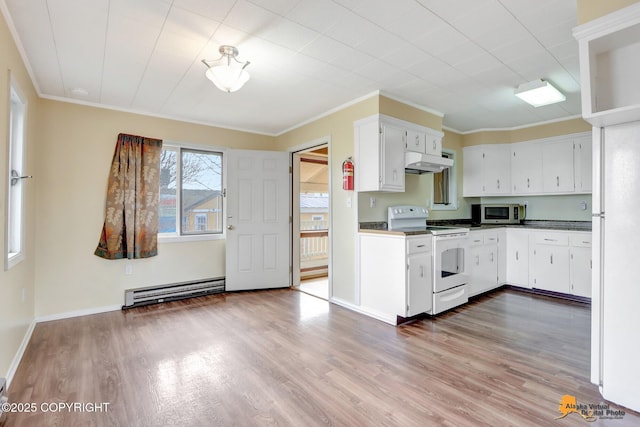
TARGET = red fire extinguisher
(347,174)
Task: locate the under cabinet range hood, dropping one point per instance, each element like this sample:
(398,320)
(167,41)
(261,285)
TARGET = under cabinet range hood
(424,163)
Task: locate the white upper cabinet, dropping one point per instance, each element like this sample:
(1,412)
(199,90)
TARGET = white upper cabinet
(392,141)
(380,145)
(433,143)
(486,170)
(416,141)
(379,149)
(526,173)
(557,167)
(497,170)
(609,67)
(583,164)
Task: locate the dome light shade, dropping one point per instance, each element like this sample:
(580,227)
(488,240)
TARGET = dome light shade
(228,74)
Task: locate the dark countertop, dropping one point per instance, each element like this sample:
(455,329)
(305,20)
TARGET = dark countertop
(584,226)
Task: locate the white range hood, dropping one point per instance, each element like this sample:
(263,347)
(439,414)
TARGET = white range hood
(423,163)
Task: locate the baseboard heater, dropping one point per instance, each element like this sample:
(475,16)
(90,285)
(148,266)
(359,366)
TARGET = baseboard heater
(172,292)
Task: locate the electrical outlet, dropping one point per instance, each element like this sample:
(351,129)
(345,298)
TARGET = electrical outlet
(372,202)
(348,202)
(128,269)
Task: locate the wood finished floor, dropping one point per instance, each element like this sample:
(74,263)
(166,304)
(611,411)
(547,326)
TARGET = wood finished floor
(282,357)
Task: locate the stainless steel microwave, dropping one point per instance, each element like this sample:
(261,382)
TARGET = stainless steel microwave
(497,213)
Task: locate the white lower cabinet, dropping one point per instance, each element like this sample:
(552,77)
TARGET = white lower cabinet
(419,282)
(483,263)
(581,264)
(396,275)
(517,257)
(562,262)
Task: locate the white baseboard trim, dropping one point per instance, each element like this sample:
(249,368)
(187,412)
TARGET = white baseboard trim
(358,309)
(78,313)
(18,357)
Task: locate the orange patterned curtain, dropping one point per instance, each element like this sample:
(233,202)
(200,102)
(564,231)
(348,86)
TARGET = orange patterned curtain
(131,221)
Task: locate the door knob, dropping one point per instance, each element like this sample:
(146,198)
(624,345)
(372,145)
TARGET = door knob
(229,227)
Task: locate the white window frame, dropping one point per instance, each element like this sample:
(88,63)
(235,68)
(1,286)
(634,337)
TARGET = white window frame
(453,186)
(15,194)
(176,237)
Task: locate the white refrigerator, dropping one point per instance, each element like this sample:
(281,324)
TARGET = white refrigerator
(615,318)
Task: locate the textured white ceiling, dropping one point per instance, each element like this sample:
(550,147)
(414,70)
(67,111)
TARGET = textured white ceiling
(462,58)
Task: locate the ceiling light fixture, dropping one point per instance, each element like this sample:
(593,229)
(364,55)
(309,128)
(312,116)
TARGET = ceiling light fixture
(229,75)
(538,93)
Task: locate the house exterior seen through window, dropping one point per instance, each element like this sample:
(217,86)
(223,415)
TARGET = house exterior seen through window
(190,192)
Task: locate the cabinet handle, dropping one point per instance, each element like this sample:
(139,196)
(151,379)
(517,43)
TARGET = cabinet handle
(477,259)
(517,257)
(498,181)
(420,246)
(557,181)
(528,183)
(434,145)
(421,271)
(550,240)
(417,140)
(551,258)
(491,256)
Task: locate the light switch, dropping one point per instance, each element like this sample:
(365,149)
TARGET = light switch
(372,202)
(348,202)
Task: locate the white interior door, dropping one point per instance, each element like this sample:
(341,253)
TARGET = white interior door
(258,232)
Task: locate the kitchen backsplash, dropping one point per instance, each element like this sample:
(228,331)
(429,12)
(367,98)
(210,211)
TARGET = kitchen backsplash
(418,192)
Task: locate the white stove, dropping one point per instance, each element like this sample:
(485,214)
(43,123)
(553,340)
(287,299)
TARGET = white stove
(450,252)
(414,219)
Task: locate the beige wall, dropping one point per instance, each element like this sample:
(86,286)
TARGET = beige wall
(526,134)
(74,155)
(589,10)
(15,314)
(339,128)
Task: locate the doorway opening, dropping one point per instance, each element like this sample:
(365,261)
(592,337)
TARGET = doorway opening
(311,221)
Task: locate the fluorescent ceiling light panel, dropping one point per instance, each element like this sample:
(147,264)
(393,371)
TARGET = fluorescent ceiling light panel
(539,93)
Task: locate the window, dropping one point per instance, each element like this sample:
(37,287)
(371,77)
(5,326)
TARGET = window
(15,194)
(190,192)
(445,194)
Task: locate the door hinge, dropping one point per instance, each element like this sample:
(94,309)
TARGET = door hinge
(290,219)
(290,169)
(224,192)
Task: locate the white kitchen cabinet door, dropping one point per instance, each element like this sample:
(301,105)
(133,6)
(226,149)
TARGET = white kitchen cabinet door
(419,284)
(416,141)
(551,268)
(379,155)
(501,256)
(557,167)
(483,265)
(517,258)
(433,144)
(583,164)
(484,269)
(497,169)
(472,178)
(392,150)
(526,168)
(581,272)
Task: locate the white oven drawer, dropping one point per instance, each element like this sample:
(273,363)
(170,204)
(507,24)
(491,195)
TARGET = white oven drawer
(450,298)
